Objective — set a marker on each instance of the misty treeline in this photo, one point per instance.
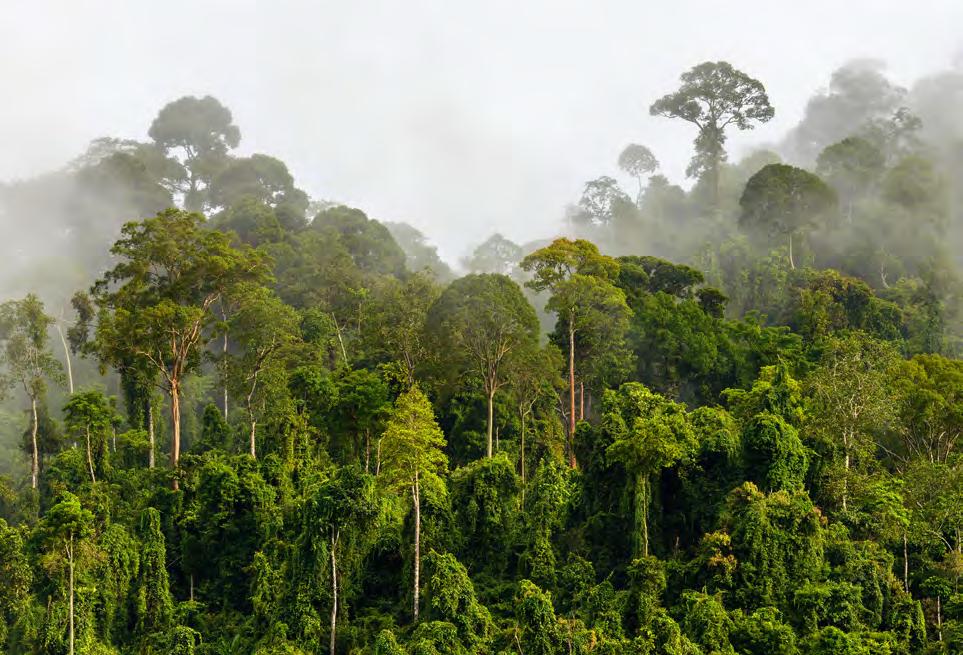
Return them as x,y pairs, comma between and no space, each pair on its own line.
721,419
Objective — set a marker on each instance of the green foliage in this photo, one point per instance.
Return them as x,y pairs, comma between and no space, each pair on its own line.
819,510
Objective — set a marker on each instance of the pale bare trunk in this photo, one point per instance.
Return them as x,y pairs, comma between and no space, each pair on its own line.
224,356
150,432
378,458
334,588
253,439
70,370
491,418
416,497
939,618
792,264
70,562
344,353
367,450
90,457
846,481
521,457
175,427
249,402
571,391
35,464
905,563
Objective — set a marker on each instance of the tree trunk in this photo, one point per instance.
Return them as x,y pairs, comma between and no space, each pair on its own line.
90,457
337,329
845,480
249,404
35,464
792,264
491,418
334,587
581,400
70,370
378,458
70,562
715,180
905,563
642,512
175,427
224,357
150,432
939,618
571,391
521,457
416,498
367,450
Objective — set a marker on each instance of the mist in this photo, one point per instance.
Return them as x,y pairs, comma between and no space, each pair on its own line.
461,121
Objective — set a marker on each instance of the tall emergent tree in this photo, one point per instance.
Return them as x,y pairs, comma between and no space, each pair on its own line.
584,297
157,303
713,96
412,456
202,130
487,320
28,361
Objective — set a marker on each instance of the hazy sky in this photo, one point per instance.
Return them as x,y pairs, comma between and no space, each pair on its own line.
459,118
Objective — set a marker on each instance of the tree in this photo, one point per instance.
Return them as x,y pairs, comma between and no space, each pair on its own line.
487,320
419,253
138,378
398,314
496,254
155,606
264,330
603,203
713,96
637,161
157,302
930,406
534,375
345,506
369,243
88,415
363,403
260,177
584,298
648,433
203,130
412,457
29,363
65,526
852,394
783,200
852,166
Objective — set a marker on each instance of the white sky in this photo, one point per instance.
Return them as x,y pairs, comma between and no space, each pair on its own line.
461,118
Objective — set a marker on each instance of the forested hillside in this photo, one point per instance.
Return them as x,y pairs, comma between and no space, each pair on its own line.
722,419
